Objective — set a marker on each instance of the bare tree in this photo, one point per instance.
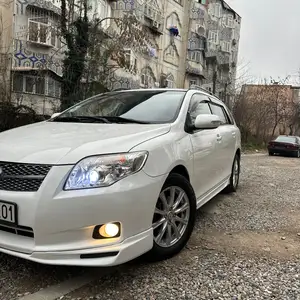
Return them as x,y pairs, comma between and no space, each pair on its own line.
265,110
93,52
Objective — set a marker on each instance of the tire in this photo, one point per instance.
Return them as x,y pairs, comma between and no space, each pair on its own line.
271,153
234,181
297,154
161,248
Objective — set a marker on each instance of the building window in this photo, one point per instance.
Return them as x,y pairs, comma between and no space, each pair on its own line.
193,82
40,85
213,37
42,32
130,60
173,20
55,37
195,56
228,21
170,81
31,84
147,79
54,88
225,46
38,30
216,10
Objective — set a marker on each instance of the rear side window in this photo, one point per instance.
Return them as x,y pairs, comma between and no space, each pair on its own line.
220,112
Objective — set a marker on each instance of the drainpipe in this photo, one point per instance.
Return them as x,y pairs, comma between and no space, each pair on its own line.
184,35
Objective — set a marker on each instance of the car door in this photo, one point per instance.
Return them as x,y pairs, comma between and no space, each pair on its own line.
227,141
204,147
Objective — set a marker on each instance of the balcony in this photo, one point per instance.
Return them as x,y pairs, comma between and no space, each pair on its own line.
46,5
153,19
197,43
194,71
224,60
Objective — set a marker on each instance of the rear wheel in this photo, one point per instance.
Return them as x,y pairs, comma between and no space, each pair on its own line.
235,176
174,218
297,154
271,153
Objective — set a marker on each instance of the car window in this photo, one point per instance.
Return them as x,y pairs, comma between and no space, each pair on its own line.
287,139
151,106
219,111
198,106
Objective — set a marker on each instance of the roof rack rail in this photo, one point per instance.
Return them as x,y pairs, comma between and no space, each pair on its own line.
199,88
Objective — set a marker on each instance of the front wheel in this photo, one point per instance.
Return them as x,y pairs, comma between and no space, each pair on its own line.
297,154
174,218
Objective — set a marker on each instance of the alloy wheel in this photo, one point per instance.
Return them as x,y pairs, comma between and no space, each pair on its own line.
236,173
171,216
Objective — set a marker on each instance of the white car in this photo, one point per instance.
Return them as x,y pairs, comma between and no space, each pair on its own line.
116,176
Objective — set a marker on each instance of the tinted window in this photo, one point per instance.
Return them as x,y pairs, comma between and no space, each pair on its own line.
146,106
219,111
198,106
286,139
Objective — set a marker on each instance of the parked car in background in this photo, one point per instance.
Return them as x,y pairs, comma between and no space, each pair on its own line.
115,176
285,145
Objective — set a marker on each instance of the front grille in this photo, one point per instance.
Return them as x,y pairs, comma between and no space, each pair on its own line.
17,177
18,230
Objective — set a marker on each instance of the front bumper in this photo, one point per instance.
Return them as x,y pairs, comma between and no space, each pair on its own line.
93,257
62,222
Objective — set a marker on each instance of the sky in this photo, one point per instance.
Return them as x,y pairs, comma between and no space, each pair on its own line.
270,37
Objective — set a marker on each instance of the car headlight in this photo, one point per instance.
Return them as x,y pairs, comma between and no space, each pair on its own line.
104,170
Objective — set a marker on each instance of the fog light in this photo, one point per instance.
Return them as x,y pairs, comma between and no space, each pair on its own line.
106,231
109,230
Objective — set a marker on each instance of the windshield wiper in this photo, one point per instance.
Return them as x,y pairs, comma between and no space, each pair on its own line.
81,119
116,119
99,119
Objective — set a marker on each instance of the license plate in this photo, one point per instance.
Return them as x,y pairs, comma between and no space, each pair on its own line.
8,212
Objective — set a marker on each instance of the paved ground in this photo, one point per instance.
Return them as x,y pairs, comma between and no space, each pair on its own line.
245,246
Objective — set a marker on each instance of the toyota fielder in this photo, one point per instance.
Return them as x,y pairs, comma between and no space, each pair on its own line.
116,176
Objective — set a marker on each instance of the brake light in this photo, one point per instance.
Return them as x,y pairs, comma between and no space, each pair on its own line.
294,147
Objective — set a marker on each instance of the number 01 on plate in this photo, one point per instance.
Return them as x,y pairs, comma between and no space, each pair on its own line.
8,212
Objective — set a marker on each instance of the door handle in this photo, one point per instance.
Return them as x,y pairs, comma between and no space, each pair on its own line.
219,138
233,134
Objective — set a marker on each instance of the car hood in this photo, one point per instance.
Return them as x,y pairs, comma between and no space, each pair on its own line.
67,143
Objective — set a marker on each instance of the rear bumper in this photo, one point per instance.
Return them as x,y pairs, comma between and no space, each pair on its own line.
282,151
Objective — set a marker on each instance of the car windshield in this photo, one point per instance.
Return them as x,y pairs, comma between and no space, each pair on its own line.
151,107
286,139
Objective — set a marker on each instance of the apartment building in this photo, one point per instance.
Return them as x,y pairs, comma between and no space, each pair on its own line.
192,42
219,31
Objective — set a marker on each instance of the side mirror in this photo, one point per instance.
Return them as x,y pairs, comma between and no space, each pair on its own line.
207,121
55,115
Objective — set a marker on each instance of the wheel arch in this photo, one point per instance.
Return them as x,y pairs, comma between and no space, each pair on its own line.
238,152
181,170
